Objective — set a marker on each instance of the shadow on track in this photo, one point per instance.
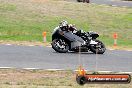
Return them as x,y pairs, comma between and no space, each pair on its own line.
90,53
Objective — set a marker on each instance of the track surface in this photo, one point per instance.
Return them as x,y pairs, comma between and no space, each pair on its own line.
46,58
111,2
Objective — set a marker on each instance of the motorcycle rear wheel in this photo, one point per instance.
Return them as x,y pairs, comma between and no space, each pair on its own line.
60,45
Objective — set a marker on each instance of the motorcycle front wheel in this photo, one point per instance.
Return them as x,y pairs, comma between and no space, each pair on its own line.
60,45
99,48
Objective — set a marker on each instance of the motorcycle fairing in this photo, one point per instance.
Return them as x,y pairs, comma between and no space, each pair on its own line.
75,40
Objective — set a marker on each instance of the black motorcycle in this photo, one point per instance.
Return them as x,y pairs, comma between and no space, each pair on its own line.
67,38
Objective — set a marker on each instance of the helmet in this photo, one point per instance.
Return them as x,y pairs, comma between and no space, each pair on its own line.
63,23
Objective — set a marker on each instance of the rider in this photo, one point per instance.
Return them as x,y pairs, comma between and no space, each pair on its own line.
69,27
64,25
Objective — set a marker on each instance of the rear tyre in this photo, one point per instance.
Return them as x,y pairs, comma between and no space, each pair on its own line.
60,45
99,48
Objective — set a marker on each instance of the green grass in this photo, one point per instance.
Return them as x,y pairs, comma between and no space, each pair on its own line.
25,20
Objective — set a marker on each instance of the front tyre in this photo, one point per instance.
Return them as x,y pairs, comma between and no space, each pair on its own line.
99,48
60,45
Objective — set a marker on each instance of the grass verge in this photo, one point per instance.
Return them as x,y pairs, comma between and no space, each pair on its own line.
25,20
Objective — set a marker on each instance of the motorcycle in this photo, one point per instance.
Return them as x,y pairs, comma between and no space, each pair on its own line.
67,38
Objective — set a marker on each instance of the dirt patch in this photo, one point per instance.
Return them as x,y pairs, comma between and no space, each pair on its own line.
32,77
40,0
20,78
25,43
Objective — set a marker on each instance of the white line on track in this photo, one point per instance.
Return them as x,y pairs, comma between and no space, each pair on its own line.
61,70
126,72
48,46
31,68
54,69
8,44
31,45
106,71
6,67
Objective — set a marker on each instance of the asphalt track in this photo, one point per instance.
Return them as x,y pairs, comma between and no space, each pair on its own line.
111,2
46,58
